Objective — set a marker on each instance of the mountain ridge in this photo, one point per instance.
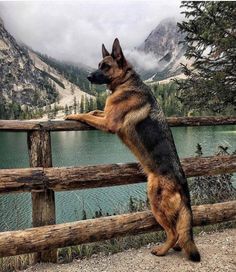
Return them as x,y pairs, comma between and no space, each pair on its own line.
164,42
36,80
27,81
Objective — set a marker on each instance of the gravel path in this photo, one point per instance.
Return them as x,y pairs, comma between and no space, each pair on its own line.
218,252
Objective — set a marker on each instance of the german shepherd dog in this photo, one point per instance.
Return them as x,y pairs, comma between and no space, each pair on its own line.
133,113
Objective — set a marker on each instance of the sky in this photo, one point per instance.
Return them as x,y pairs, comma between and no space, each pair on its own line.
75,30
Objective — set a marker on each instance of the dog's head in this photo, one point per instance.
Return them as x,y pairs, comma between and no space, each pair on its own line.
112,67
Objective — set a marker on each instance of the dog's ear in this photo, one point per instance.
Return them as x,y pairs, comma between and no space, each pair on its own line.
105,53
117,53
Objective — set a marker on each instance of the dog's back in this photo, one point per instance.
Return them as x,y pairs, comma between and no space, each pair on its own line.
152,132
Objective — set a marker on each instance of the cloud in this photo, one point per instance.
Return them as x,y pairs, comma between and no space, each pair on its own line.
141,60
75,30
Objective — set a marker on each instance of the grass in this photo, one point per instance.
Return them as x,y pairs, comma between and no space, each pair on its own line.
123,243
15,263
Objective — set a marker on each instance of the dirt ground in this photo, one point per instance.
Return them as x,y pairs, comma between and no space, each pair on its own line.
218,251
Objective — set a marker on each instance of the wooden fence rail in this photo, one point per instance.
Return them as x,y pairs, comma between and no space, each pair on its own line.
42,180
61,125
87,177
92,230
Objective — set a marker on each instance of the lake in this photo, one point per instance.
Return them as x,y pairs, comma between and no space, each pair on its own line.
87,148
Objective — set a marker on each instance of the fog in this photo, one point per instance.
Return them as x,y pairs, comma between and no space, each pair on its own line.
74,31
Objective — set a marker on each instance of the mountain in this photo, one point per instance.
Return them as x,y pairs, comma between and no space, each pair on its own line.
163,43
27,81
74,72
164,40
31,80
58,74
21,82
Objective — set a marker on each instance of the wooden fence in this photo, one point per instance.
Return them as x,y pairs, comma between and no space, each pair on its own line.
42,180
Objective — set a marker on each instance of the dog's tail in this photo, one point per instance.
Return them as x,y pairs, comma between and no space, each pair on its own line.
184,230
191,251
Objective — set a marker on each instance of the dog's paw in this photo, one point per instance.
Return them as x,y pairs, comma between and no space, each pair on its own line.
68,117
74,117
158,251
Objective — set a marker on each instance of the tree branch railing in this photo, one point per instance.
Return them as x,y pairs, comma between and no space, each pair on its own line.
42,180
61,125
92,230
86,177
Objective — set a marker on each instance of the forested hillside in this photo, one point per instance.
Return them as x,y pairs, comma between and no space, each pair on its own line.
73,72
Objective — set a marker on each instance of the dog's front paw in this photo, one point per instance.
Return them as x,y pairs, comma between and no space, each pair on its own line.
68,117
96,113
77,117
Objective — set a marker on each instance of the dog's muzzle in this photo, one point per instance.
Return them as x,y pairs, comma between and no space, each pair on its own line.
98,77
90,77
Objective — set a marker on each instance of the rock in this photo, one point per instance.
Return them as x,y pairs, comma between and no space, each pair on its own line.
21,81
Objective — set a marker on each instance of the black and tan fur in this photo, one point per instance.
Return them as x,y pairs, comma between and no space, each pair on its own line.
132,112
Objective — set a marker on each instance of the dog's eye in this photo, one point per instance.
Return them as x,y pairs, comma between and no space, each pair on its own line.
105,66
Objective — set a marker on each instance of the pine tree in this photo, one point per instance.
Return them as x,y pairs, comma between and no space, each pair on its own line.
70,109
82,104
86,104
55,110
66,110
210,41
101,100
49,111
75,105
72,89
94,104
91,104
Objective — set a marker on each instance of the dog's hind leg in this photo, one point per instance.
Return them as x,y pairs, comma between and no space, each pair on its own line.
184,230
171,236
164,205
177,247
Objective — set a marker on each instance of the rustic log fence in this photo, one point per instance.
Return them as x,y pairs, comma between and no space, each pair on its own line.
42,180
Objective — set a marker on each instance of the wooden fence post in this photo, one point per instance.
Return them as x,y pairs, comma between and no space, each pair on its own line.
43,203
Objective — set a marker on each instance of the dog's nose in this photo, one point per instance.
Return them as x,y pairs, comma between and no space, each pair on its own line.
89,77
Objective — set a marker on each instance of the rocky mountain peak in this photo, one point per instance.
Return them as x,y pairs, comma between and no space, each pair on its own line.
20,81
164,39
163,43
26,81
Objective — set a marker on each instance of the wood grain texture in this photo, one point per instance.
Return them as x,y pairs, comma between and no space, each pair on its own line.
43,203
68,234
85,177
62,125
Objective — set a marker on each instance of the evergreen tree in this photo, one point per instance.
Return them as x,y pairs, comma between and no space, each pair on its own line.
86,104
66,110
49,111
82,104
75,105
72,89
166,95
94,104
210,41
91,104
70,109
101,99
55,110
